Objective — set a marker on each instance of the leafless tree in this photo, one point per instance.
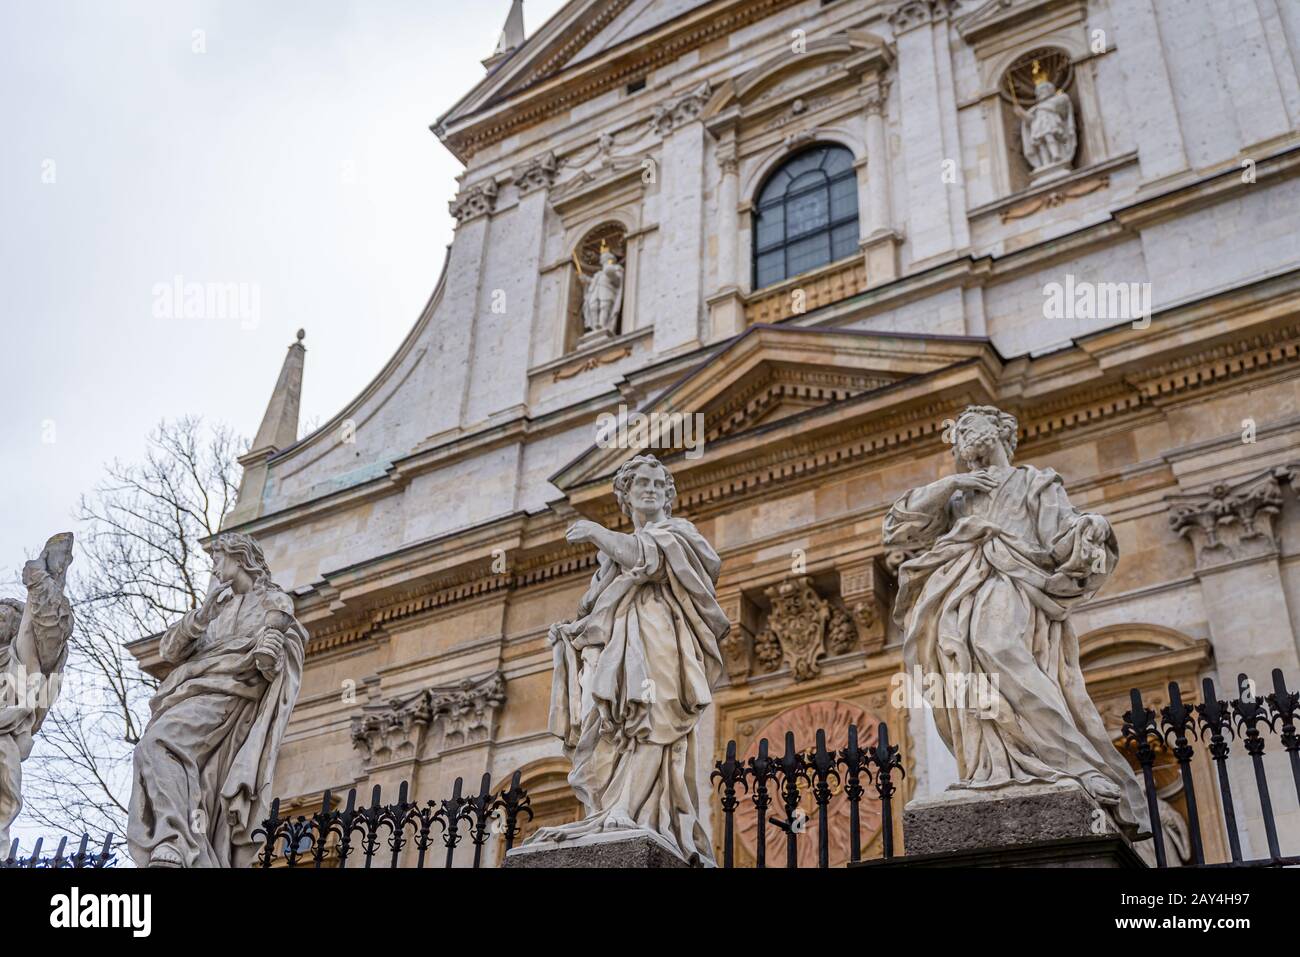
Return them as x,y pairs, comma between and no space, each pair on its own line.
140,567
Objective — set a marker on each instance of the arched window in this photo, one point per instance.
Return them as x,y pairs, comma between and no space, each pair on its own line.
806,215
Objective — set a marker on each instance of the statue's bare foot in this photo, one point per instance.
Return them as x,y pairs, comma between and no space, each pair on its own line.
165,856
618,820
1101,788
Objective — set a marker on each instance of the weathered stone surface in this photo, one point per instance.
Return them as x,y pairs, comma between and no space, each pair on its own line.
965,820
638,852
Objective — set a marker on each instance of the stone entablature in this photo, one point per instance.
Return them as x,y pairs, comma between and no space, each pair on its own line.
428,722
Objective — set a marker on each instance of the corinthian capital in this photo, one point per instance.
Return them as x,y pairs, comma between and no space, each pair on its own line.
1232,520
477,200
538,173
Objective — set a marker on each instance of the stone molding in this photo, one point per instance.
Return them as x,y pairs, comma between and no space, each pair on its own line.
1233,521
435,718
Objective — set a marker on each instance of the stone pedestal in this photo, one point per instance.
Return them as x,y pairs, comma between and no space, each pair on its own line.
637,851
1043,825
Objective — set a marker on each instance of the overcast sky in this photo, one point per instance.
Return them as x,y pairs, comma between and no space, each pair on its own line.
284,147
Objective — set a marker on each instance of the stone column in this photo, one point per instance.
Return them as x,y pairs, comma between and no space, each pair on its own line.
726,307
879,240
1232,527
1151,105
936,199
681,225
454,325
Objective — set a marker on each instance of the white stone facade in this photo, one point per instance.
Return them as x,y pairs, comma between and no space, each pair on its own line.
1187,178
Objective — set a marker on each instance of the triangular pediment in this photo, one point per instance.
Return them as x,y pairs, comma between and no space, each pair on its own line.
586,48
773,383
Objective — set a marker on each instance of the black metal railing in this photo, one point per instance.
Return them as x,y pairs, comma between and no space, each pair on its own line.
822,772
83,857
333,836
1247,718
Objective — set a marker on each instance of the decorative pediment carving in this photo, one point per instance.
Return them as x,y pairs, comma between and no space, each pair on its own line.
772,374
1232,521
802,628
432,719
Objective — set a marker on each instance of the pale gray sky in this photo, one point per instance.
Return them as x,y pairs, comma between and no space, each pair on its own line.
291,155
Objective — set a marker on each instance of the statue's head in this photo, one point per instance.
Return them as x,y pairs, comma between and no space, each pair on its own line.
234,553
11,616
644,487
1044,89
607,258
980,430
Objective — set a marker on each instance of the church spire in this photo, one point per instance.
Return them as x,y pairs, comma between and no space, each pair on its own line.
512,36
279,430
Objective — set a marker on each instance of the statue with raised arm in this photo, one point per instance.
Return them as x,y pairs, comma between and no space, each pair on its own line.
33,650
203,767
602,296
1048,137
1003,558
636,669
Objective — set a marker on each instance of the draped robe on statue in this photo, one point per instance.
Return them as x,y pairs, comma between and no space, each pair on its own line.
204,764
27,689
632,677
988,596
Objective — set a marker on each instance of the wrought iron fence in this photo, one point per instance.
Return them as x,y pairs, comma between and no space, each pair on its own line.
763,778
332,836
83,857
854,772
1242,718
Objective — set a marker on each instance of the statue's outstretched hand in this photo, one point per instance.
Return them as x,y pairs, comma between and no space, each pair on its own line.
583,531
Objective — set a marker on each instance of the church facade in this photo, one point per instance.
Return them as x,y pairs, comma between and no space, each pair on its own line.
801,236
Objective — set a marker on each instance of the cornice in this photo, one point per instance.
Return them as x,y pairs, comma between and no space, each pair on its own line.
542,96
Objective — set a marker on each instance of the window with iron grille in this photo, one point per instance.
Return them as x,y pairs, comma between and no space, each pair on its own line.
806,215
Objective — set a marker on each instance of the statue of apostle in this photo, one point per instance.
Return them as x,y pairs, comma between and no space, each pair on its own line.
1004,556
203,767
636,670
1048,136
33,650
602,297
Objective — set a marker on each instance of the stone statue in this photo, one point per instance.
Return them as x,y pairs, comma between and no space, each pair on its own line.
1047,133
203,767
1004,556
635,671
33,650
602,297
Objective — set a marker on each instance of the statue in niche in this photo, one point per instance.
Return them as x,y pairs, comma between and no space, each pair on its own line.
203,767
602,295
1048,137
1003,557
635,671
33,651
